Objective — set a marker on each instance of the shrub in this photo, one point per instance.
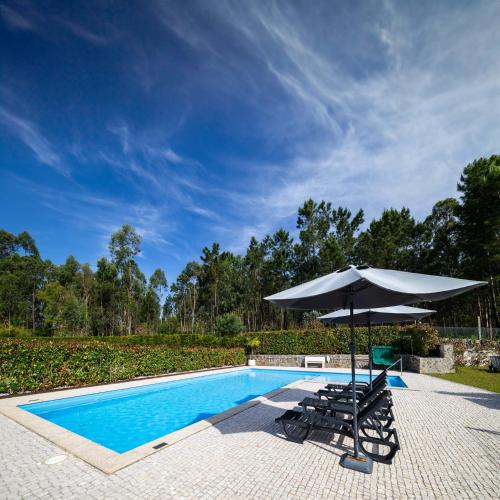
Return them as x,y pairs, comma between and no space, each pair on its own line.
36,365
252,343
169,326
14,331
310,320
228,324
422,338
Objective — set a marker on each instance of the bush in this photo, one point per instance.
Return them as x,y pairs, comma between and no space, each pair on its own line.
169,325
229,324
14,331
422,338
37,365
310,320
252,343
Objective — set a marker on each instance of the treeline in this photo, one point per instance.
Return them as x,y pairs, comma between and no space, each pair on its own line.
460,237
72,299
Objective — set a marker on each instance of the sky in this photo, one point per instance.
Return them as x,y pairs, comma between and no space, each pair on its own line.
215,120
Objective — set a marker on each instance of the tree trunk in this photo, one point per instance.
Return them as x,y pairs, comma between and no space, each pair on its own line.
33,310
494,303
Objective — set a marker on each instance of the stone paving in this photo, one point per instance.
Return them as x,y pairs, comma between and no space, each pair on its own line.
449,433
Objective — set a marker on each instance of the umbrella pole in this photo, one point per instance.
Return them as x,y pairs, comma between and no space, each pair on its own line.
353,382
357,462
370,348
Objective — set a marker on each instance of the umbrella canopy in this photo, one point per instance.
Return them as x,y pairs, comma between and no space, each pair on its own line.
367,287
370,287
395,314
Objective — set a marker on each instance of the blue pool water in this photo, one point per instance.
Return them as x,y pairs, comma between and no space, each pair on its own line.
126,418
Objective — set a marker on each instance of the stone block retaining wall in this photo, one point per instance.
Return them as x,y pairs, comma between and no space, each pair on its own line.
470,352
445,363
297,360
442,364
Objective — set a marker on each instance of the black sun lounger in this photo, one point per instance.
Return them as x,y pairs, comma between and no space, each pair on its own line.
376,442
360,386
326,398
346,395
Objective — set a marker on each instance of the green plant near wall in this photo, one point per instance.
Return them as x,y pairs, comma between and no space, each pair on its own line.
419,340
251,345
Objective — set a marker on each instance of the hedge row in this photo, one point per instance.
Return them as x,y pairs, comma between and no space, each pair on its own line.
37,365
325,340
337,340
42,364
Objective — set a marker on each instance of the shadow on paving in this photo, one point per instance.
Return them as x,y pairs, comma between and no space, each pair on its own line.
488,400
488,431
258,423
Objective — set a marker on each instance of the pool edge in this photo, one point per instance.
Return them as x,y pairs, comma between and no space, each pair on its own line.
100,457
109,461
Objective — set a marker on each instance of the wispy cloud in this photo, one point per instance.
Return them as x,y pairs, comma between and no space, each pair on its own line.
14,18
105,214
27,132
87,34
172,156
397,134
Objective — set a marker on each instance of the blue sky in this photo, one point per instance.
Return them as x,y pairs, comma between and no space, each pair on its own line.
213,121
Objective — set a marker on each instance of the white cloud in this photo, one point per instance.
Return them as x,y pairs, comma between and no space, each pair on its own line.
27,132
172,156
400,134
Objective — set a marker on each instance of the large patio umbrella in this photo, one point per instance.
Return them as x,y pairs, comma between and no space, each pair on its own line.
380,315
367,287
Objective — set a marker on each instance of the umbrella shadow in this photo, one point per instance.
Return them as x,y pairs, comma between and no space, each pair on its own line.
488,400
262,419
488,431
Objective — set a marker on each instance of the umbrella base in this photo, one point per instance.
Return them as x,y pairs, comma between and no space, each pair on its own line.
360,464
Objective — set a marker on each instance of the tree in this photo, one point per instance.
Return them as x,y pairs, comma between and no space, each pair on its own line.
390,242
106,299
21,275
440,252
150,302
228,324
313,222
210,278
63,313
123,247
479,224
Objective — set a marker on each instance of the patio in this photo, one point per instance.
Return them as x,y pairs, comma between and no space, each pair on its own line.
449,433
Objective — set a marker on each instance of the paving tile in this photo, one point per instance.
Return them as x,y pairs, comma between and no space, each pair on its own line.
450,438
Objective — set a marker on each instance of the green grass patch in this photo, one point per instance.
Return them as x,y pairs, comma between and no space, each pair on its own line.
474,376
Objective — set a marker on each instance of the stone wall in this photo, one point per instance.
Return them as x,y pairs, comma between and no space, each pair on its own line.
297,360
470,352
445,363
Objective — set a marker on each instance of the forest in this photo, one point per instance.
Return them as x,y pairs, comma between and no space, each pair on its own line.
460,238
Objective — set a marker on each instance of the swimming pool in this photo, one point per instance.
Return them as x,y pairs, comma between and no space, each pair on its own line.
123,419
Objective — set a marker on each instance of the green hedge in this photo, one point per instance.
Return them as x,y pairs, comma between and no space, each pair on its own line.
29,364
336,340
37,365
324,340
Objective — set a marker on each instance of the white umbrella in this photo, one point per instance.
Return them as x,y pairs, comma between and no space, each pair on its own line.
395,314
368,287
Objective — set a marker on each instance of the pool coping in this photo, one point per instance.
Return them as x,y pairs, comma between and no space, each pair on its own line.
109,461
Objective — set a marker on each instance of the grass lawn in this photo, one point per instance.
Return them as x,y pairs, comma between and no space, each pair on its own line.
477,377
